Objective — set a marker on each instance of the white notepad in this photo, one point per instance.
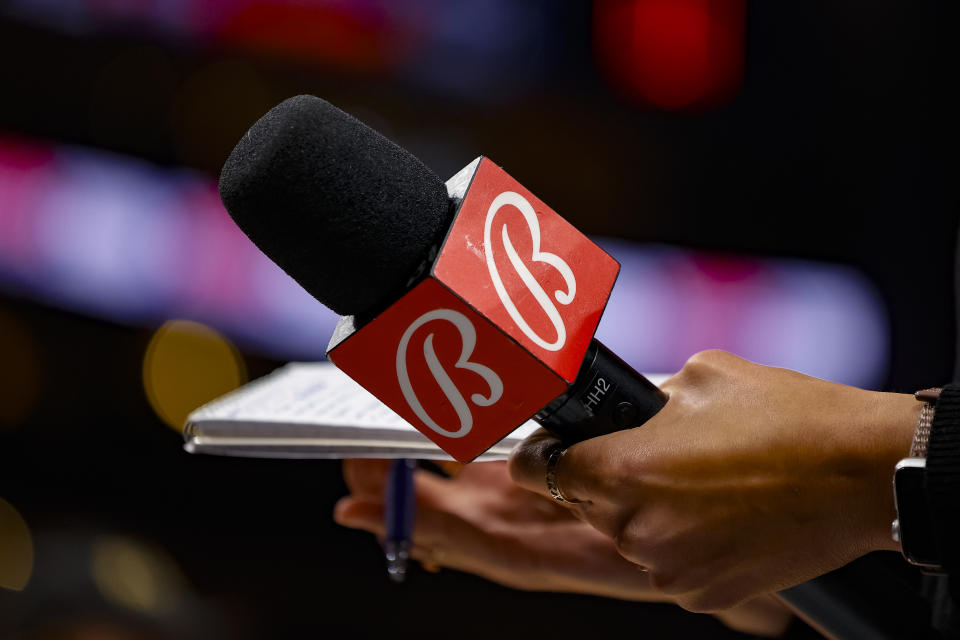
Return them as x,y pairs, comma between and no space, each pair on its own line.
313,410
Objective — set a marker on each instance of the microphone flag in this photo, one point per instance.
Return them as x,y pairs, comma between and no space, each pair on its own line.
493,328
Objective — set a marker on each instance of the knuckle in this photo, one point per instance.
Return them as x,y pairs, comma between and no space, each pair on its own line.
585,473
665,581
709,601
694,604
703,365
708,359
634,541
624,544
675,577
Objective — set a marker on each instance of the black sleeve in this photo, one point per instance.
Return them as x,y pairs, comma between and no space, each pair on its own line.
943,477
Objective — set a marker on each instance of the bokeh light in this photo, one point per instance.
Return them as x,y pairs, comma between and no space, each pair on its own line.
348,34
115,237
16,548
673,54
133,575
187,364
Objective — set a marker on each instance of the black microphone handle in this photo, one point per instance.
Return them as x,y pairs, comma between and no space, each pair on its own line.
608,395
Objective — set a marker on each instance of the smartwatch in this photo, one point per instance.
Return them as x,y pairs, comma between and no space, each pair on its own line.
913,528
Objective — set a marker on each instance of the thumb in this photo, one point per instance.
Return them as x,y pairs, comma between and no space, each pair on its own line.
359,513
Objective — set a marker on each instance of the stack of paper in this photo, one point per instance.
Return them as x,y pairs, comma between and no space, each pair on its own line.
313,410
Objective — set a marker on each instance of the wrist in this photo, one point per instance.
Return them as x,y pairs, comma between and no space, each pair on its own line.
896,417
875,431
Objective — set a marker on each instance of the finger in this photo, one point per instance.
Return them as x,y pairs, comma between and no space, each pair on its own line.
432,528
483,492
360,513
578,473
435,558
366,477
368,516
451,468
595,473
486,472
443,494
365,510
528,461
429,559
434,555
765,616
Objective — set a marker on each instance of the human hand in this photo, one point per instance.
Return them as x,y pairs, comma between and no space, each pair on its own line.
480,522
751,479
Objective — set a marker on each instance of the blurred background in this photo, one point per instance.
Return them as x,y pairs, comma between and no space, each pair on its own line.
773,177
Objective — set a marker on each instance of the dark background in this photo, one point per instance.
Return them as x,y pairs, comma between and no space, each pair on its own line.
838,146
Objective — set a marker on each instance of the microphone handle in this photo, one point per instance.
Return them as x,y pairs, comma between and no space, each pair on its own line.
608,395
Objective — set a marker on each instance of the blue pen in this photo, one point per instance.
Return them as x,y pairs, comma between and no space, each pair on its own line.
400,509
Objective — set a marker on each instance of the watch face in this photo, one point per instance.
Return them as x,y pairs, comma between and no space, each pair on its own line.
917,538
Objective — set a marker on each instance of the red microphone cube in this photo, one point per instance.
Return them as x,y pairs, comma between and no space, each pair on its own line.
496,330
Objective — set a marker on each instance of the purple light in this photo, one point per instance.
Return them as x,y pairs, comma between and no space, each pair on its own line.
121,239
821,319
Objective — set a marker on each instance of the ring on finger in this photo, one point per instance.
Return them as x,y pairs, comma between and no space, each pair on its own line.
553,484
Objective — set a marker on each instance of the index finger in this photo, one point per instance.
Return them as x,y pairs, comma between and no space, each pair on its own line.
366,477
575,472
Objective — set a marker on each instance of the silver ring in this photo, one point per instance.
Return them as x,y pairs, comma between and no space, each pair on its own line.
553,486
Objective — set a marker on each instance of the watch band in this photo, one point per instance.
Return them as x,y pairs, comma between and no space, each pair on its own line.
921,436
913,528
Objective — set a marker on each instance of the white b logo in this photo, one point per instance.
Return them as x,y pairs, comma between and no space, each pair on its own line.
563,297
468,337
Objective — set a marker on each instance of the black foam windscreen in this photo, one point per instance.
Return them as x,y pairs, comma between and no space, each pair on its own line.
346,212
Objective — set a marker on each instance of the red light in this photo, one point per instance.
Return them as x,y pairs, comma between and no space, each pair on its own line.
329,33
674,54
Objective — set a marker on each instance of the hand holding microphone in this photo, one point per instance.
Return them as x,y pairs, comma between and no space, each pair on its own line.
750,480
470,307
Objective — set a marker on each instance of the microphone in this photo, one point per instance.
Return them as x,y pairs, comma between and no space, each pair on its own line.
467,307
